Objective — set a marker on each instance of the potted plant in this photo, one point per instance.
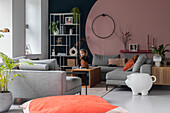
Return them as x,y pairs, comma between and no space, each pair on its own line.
54,28
159,54
6,78
1,35
76,14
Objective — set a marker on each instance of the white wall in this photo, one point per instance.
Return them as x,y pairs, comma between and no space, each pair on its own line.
6,22
18,28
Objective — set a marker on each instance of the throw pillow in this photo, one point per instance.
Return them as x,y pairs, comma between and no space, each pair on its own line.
118,62
40,67
130,63
140,61
71,103
53,65
102,60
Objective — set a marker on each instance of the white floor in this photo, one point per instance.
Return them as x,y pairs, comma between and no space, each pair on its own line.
158,101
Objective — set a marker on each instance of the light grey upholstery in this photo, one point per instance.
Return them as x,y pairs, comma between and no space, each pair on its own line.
104,70
40,67
102,60
38,84
146,68
53,65
117,75
140,61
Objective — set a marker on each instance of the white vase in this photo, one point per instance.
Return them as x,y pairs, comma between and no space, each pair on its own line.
5,101
157,59
56,32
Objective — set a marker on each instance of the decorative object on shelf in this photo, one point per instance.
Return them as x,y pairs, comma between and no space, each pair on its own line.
161,50
1,35
71,62
28,49
71,31
68,20
6,78
73,51
53,52
54,28
61,54
59,41
150,45
103,15
5,30
140,83
124,37
133,47
76,14
157,59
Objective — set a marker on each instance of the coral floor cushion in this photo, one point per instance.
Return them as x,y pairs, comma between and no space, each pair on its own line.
70,104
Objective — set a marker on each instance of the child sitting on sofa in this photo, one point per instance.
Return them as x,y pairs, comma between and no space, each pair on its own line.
84,58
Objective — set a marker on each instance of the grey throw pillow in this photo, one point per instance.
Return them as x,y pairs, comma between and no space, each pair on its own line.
16,59
40,67
53,65
140,61
103,60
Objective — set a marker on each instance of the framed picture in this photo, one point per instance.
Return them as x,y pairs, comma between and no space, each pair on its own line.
68,20
133,47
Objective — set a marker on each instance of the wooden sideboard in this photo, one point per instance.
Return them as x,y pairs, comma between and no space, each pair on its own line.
162,74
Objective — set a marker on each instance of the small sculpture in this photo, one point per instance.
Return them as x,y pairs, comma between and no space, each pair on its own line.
5,30
140,83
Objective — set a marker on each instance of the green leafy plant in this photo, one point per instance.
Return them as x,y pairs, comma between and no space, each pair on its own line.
6,77
54,27
76,14
161,50
1,35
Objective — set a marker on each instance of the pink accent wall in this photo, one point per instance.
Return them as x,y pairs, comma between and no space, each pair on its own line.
143,16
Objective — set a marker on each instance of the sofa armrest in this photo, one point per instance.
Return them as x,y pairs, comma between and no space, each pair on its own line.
38,84
146,68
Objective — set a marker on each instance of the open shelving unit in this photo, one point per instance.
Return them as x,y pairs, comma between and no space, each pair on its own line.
68,40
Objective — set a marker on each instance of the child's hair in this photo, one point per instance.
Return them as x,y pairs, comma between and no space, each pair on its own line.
85,51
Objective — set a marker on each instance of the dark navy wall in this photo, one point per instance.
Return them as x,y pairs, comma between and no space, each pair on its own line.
63,6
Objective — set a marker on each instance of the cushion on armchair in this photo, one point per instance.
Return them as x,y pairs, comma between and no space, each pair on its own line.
52,63
140,61
103,60
40,67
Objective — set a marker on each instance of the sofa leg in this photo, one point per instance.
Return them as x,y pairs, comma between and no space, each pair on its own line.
80,92
106,87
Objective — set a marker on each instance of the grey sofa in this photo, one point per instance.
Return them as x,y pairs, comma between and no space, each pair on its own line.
42,82
116,75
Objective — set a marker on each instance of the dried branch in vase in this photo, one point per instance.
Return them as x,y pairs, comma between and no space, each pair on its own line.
124,37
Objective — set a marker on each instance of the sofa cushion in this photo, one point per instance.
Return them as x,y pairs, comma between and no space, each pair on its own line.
53,65
140,61
118,62
40,67
72,82
102,60
106,69
117,74
16,59
148,61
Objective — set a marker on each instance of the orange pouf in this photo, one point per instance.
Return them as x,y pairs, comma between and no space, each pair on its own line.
70,104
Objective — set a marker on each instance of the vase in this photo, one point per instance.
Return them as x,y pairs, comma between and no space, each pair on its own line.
5,101
157,59
125,47
56,32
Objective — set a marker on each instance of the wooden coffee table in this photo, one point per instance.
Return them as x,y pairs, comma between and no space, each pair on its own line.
94,75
